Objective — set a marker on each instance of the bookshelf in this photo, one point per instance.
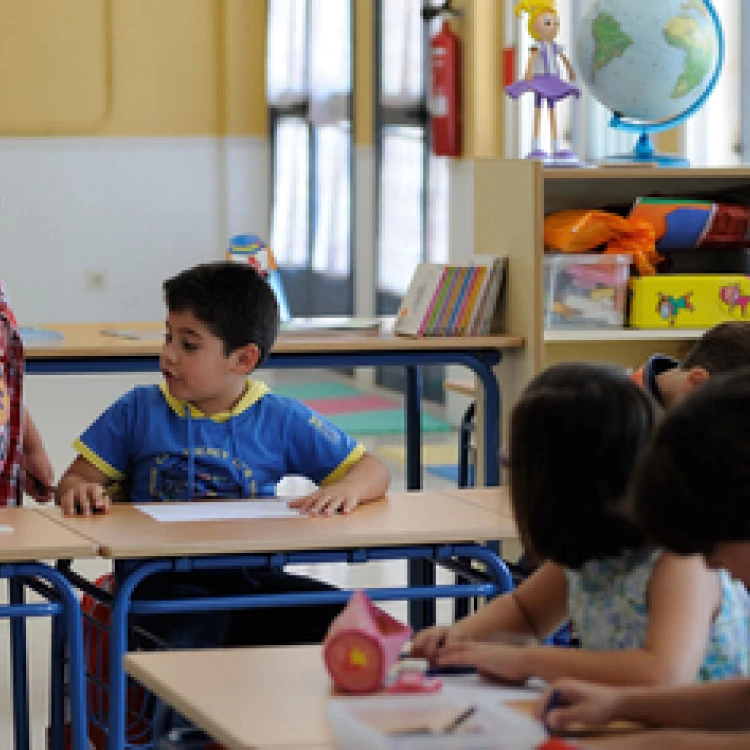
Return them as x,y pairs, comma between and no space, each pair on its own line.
511,199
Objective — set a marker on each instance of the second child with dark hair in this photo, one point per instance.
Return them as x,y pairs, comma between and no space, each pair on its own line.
644,616
208,431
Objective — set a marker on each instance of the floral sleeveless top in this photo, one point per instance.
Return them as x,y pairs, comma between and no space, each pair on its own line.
607,602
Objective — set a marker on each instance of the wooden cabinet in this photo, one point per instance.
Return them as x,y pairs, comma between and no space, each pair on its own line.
511,199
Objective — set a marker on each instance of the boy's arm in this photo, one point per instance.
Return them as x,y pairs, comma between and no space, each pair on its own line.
81,489
715,705
39,474
366,480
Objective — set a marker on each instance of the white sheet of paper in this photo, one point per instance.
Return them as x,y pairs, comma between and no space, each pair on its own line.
218,511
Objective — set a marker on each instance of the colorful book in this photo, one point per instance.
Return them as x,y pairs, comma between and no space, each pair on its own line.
417,298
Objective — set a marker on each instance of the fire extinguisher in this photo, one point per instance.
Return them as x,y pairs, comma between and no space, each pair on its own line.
445,99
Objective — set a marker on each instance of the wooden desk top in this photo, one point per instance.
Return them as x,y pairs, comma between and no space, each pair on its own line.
35,537
86,340
244,698
405,518
493,499
260,698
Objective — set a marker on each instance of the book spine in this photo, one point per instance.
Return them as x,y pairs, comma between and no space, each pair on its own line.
479,320
493,290
463,298
450,302
470,311
433,301
476,319
439,306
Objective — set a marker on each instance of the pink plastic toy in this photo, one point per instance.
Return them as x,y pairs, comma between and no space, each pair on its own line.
362,644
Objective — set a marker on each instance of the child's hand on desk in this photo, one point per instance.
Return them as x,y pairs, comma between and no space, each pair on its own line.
578,704
326,501
428,642
84,500
496,661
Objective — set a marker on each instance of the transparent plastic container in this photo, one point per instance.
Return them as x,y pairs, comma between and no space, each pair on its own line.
373,723
585,291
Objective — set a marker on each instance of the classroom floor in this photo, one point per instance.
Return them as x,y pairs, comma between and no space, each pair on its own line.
62,407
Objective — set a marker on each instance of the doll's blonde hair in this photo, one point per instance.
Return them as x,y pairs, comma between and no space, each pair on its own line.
534,9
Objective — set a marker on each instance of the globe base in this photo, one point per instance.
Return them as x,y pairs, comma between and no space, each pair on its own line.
645,153
656,159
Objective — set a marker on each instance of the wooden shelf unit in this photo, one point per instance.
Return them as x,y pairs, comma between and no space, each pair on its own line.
511,199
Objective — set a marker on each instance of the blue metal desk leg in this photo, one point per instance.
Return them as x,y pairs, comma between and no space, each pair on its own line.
420,573
18,668
58,660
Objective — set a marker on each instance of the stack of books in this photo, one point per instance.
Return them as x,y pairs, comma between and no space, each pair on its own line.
452,299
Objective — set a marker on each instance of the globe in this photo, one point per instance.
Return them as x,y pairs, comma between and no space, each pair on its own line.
652,62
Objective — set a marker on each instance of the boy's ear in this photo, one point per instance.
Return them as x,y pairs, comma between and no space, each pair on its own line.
697,376
246,358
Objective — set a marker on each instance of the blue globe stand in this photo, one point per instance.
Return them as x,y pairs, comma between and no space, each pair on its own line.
644,152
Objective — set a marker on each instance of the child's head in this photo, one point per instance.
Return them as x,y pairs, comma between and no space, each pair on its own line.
692,488
232,300
544,22
222,322
574,439
722,349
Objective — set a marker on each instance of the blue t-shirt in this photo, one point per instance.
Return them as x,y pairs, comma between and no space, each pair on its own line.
165,449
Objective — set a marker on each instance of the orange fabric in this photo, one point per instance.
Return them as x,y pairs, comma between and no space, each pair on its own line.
583,231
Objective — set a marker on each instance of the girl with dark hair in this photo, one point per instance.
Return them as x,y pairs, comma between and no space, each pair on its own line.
644,616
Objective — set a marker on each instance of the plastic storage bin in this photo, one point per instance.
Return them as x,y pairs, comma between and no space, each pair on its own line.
699,301
585,291
369,723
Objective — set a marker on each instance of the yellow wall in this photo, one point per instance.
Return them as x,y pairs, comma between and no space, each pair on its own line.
132,67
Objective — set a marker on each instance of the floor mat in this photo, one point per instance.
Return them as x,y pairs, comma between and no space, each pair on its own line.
356,412
440,459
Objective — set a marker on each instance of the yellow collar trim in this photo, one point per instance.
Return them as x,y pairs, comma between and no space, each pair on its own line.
254,392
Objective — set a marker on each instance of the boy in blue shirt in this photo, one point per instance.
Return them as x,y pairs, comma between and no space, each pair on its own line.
208,431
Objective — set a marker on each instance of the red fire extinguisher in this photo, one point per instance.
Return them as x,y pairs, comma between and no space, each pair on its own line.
445,101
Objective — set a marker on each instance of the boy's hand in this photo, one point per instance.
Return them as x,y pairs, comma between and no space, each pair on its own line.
580,704
428,643
336,498
85,499
495,661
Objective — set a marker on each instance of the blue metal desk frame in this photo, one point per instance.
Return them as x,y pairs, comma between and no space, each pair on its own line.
63,607
496,580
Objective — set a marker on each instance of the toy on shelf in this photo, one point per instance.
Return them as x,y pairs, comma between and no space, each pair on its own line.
249,248
543,79
362,645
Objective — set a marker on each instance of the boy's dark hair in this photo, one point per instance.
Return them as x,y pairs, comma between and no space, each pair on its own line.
232,299
724,348
691,491
575,437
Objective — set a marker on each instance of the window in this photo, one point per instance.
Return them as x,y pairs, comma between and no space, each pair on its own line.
413,184
309,82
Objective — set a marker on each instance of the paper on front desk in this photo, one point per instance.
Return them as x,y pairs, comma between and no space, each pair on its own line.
218,511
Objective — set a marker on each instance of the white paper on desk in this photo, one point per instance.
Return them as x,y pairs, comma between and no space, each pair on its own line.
218,511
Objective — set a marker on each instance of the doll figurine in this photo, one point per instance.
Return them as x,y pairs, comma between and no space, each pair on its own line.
543,77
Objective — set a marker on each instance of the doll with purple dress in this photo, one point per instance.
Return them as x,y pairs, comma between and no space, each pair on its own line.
543,76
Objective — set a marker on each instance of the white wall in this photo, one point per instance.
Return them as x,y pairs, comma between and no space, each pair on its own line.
133,209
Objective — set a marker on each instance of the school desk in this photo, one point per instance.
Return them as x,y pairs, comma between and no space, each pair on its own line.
418,525
493,499
25,538
259,698
85,349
